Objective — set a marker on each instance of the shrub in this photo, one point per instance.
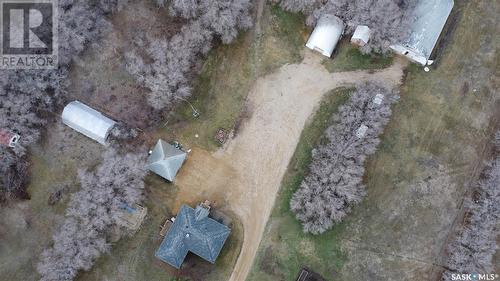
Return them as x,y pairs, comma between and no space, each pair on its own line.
334,183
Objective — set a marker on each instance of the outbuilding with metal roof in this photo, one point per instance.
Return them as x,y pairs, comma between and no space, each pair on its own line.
87,121
166,160
326,35
430,20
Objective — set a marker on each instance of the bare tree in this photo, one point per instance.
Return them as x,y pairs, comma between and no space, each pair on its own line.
122,132
92,212
173,60
14,171
168,76
302,6
497,140
475,242
334,183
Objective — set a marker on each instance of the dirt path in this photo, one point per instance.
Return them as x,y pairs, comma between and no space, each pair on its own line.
247,173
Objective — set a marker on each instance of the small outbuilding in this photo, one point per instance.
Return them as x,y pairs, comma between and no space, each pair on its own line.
326,35
8,138
87,121
166,160
361,35
132,217
193,231
429,22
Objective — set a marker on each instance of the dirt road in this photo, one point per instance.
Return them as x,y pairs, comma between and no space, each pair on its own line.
246,174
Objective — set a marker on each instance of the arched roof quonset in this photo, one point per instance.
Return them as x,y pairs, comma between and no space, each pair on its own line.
87,121
326,35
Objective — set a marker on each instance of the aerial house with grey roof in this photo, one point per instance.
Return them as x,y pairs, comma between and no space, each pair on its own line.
166,160
193,231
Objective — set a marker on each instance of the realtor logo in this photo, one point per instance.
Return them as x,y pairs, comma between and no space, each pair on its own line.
28,34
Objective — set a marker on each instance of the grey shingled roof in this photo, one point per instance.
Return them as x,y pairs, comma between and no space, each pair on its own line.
166,160
193,231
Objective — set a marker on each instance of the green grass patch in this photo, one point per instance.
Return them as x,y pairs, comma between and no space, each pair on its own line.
348,58
285,248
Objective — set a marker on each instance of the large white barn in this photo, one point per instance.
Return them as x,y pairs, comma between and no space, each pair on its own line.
326,35
87,121
430,19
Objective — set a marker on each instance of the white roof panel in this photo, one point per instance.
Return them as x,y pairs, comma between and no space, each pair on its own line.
430,19
361,35
87,121
326,35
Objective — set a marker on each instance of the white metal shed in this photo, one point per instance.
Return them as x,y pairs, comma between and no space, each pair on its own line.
87,121
430,17
326,35
361,35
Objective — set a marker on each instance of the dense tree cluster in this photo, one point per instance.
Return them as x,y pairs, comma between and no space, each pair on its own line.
389,20
92,212
334,183
165,65
27,97
475,243
302,6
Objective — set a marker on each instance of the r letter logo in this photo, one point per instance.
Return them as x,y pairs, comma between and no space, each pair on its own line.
28,34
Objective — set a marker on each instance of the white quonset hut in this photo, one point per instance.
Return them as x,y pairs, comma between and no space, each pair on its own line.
87,121
326,35
361,35
430,19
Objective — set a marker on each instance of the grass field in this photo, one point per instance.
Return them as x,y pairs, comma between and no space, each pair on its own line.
347,57
286,248
444,121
